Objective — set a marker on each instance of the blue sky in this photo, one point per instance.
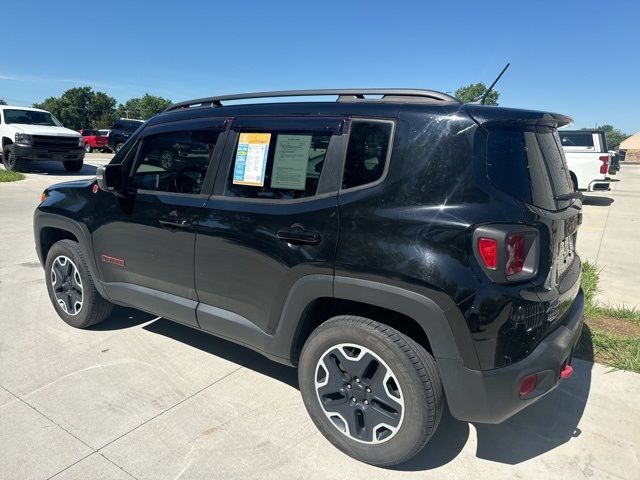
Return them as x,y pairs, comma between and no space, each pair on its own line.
575,57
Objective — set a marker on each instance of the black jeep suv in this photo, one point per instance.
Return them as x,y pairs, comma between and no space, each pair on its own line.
400,248
121,131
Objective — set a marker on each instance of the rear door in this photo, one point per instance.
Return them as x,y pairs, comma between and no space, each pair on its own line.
272,220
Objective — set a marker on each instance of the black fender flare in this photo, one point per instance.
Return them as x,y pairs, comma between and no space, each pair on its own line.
43,220
447,330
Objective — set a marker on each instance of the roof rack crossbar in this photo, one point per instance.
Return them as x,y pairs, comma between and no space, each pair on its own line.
353,92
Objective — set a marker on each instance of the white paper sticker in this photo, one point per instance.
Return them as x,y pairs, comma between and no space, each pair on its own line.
290,162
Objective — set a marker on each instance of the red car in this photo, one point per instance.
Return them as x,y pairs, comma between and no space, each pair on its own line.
91,140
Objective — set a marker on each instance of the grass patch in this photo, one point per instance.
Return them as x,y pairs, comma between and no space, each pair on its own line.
7,176
611,335
594,308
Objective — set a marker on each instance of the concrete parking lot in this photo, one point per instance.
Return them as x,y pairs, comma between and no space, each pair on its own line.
141,397
610,237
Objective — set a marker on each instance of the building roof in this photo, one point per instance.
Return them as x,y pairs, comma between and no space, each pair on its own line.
631,143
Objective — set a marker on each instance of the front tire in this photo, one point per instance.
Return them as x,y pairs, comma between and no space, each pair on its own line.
73,166
71,288
87,148
10,161
372,391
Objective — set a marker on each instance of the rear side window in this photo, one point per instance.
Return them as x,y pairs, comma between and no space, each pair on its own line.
277,165
576,139
529,165
367,152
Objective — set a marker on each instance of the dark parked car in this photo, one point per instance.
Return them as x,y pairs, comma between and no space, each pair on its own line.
402,252
121,131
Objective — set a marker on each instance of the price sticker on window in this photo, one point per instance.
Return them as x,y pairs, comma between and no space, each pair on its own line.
251,159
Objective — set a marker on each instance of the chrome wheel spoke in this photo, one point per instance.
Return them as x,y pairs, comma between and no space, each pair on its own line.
359,393
66,284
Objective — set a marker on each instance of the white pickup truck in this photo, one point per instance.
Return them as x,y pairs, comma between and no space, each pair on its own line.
587,158
33,134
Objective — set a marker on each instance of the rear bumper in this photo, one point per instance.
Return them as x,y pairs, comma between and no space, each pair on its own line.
492,396
27,152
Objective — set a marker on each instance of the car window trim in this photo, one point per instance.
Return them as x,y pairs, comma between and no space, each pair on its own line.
387,161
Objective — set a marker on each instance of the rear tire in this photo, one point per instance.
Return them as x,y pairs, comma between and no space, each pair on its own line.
380,422
78,303
10,161
73,166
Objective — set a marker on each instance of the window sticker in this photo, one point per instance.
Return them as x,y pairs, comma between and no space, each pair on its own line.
251,159
290,162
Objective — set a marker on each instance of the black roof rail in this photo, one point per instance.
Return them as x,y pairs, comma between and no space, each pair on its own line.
353,93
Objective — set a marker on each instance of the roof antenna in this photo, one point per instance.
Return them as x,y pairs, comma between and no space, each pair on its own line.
482,99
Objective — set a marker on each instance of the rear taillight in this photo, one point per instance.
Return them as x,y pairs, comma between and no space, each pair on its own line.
507,253
605,164
488,251
515,254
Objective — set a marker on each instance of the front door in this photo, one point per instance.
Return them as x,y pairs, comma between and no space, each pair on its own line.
273,219
144,243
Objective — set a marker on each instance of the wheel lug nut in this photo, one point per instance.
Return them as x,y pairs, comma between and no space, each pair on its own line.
366,402
357,380
368,390
348,385
353,399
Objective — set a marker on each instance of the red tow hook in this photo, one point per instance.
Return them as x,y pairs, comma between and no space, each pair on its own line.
566,372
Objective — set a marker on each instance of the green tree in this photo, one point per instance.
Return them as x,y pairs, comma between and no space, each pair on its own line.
143,107
81,107
474,91
2,101
613,136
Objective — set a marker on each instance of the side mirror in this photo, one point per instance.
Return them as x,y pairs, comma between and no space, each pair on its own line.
112,178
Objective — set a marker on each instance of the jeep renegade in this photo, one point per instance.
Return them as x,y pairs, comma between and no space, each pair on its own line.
400,248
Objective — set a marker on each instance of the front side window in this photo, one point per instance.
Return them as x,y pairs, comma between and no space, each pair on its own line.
31,117
367,152
277,164
175,162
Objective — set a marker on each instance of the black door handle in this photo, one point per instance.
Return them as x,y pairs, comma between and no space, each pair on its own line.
172,222
298,236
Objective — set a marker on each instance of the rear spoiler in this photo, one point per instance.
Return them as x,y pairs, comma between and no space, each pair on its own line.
485,115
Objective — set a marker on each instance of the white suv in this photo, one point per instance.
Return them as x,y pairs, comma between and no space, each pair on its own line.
587,158
33,134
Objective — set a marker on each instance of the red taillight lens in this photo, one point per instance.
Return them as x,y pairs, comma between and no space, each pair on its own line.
515,254
605,161
528,385
488,250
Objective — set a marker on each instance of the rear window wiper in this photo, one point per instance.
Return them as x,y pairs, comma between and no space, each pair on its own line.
569,196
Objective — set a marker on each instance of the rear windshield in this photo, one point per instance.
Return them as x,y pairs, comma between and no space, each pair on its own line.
576,139
529,165
127,125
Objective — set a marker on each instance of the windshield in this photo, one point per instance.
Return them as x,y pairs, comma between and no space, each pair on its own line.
31,117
